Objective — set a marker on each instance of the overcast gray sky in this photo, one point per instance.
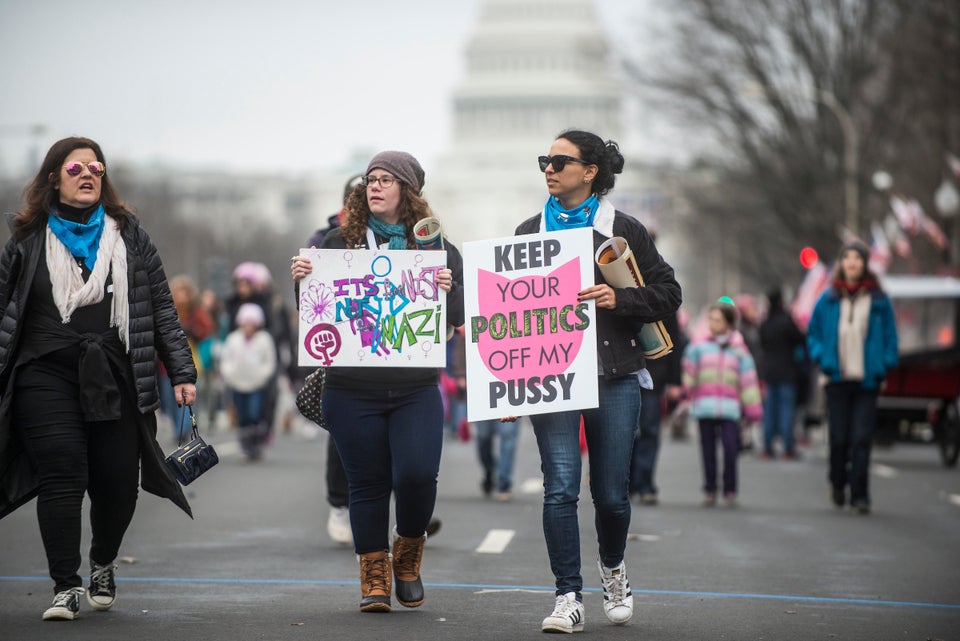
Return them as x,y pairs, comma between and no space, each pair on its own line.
278,85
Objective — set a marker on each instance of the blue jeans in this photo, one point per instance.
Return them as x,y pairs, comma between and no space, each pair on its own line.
251,423
852,415
646,444
497,470
389,441
338,492
778,411
170,408
458,414
609,431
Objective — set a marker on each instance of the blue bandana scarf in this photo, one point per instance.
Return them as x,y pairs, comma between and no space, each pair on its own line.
396,233
558,218
81,239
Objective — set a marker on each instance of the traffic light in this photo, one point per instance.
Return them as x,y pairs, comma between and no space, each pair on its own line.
808,257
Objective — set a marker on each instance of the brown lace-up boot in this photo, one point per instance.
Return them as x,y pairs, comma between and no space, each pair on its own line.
375,581
407,553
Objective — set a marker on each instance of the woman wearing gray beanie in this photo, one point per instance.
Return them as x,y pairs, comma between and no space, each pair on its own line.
387,422
852,336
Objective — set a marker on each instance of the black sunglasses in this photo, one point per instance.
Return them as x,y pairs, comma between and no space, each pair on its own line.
559,162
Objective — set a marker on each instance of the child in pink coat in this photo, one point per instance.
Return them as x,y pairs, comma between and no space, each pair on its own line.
720,379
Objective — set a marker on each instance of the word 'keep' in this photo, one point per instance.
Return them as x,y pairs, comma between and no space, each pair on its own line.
537,253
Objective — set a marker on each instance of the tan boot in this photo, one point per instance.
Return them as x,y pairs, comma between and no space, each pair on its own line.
375,581
407,553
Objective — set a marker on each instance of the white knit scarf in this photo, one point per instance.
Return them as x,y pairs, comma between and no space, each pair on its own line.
69,290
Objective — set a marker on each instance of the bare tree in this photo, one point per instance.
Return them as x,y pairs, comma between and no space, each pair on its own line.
772,82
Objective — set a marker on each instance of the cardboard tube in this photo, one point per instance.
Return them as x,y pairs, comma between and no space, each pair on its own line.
427,233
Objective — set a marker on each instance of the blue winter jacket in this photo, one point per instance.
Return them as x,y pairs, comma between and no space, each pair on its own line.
879,351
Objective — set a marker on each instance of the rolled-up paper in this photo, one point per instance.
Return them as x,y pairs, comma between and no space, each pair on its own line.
426,233
619,268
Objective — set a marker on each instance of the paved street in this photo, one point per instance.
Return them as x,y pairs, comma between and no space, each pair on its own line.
257,563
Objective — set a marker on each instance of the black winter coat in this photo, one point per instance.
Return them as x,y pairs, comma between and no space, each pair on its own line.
154,332
617,344
780,338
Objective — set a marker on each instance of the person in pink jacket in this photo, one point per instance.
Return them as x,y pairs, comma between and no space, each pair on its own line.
720,379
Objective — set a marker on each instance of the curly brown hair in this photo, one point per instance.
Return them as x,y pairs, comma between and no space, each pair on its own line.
412,207
41,195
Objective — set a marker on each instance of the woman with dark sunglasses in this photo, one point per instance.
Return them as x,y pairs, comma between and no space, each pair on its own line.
387,422
86,314
580,171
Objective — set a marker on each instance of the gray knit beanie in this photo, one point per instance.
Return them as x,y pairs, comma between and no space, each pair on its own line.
858,247
400,164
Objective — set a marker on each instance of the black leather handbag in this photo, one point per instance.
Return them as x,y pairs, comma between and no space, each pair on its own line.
192,459
309,398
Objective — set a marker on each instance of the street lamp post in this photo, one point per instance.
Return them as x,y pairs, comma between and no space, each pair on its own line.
851,143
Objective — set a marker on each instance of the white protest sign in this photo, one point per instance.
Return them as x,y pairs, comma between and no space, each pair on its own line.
530,345
372,308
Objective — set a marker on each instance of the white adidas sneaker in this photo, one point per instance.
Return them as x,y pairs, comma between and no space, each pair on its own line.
617,598
567,615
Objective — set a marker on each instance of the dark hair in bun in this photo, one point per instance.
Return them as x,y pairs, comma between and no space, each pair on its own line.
605,155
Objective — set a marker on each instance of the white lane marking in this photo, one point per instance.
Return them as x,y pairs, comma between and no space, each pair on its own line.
527,590
228,448
532,486
495,542
955,499
648,538
883,471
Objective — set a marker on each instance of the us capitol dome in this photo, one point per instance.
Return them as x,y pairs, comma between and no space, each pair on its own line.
533,68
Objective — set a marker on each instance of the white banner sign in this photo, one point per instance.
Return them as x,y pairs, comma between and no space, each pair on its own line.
369,308
531,346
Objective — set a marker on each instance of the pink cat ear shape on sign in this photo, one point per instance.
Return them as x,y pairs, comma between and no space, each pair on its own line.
532,322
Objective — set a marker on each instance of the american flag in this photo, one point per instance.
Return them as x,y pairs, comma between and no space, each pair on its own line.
814,283
901,244
909,214
934,233
954,163
880,254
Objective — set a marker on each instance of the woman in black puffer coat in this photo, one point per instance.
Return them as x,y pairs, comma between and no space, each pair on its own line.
86,312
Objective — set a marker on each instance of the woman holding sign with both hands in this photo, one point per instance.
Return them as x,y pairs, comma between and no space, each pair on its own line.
580,171
387,422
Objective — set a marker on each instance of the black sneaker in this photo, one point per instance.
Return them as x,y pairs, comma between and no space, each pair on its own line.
486,486
860,507
649,498
434,526
103,589
65,606
839,497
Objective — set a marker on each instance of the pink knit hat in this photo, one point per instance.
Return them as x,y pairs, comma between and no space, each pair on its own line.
250,313
247,271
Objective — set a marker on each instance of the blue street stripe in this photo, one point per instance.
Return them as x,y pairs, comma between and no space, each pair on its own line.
538,588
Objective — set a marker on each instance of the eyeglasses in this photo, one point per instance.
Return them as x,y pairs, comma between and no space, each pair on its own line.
76,167
385,181
559,162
